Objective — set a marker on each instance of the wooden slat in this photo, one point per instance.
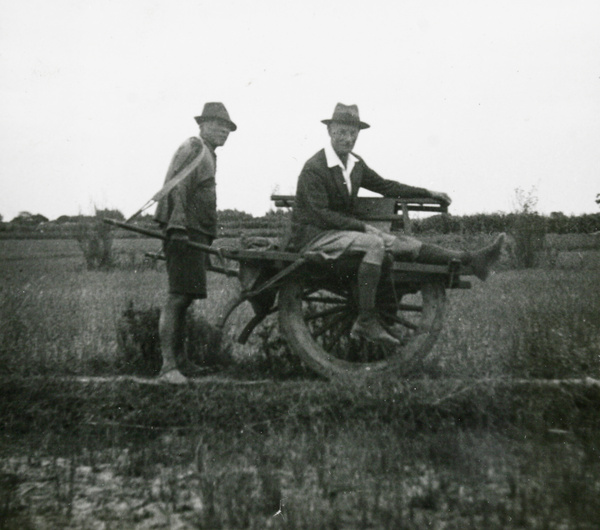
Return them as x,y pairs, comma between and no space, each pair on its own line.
439,209
419,204
398,266
374,209
267,255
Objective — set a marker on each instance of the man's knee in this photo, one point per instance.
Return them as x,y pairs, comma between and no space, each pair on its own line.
405,249
375,249
178,302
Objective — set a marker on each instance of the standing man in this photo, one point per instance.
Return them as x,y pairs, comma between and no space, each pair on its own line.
189,213
324,223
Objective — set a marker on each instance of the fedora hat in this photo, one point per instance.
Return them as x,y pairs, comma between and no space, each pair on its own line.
347,114
215,111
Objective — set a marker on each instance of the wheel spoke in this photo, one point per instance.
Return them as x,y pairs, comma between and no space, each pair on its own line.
399,334
343,327
325,299
328,325
341,340
325,312
360,350
401,320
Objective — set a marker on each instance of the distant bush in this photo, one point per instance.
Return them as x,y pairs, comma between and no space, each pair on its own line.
95,239
29,220
556,223
528,229
559,223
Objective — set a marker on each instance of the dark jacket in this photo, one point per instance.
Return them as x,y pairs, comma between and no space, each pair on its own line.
323,202
192,204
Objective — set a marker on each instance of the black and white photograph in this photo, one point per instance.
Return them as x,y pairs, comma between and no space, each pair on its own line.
299,264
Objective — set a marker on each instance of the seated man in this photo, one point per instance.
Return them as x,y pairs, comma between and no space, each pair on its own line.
324,225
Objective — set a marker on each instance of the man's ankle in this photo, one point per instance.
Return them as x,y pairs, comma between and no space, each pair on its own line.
168,365
368,327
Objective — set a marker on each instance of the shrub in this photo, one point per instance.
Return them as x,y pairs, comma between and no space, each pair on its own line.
139,343
529,232
95,239
137,337
528,229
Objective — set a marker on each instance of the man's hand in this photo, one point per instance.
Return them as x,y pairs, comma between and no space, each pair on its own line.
441,196
178,235
372,230
178,240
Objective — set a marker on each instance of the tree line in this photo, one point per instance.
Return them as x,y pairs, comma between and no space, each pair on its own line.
232,222
555,223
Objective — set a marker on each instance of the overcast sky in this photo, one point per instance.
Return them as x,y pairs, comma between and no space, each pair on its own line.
475,98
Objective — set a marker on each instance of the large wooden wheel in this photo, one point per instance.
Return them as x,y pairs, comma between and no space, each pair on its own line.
316,322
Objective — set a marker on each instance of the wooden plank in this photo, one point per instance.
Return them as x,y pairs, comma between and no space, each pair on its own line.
266,255
400,266
406,266
426,268
438,209
274,279
406,219
377,211
419,204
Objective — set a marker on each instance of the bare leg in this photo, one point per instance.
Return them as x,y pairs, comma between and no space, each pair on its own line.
172,335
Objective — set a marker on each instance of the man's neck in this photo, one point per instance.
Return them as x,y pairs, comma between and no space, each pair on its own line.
208,144
343,158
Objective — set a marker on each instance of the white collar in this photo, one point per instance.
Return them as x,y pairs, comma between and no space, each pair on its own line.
334,160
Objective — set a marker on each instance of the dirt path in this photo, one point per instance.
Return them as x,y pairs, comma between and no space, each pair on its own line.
210,379
588,382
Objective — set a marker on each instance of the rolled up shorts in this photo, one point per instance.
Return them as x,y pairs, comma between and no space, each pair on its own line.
186,266
335,243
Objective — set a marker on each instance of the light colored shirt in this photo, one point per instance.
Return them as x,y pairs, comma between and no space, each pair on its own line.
334,160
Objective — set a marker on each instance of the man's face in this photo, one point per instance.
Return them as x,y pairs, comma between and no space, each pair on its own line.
343,137
215,132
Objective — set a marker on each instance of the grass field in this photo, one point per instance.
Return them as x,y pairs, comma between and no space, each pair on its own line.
260,446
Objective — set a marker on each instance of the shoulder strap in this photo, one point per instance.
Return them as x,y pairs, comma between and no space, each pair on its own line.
181,175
